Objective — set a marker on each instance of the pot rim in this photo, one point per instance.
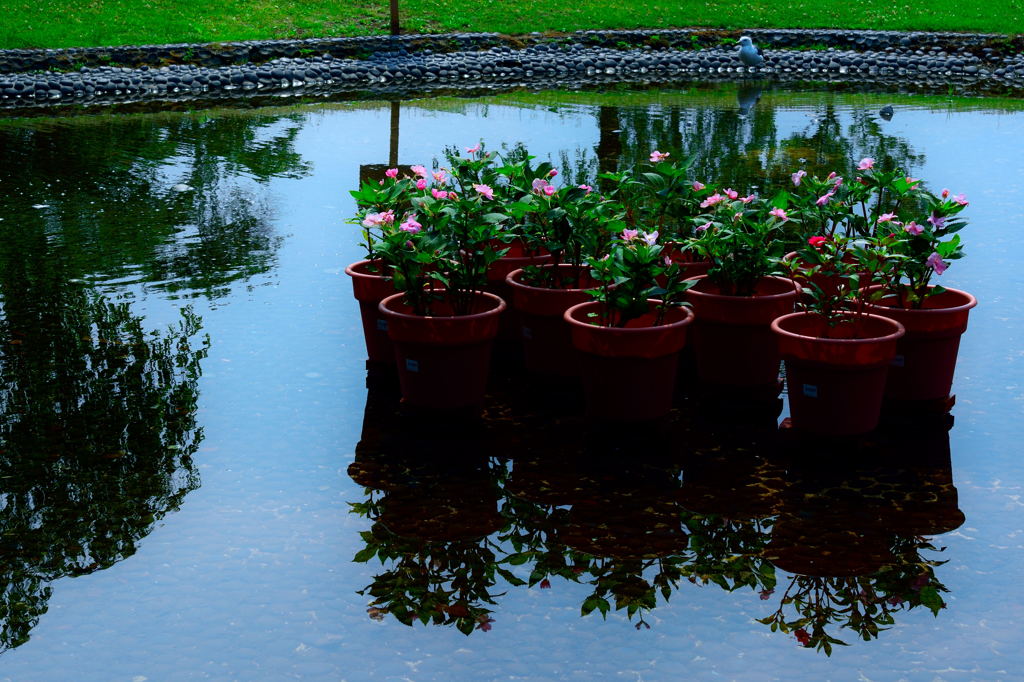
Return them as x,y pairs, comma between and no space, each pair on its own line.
567,315
352,271
893,336
500,307
971,302
795,291
511,280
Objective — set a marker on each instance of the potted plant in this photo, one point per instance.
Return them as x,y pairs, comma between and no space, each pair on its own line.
935,317
661,196
371,277
836,354
569,222
631,334
736,301
441,322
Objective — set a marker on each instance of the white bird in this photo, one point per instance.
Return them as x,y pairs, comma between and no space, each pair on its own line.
750,55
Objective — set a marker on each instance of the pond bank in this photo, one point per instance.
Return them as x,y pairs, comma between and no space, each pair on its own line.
376,65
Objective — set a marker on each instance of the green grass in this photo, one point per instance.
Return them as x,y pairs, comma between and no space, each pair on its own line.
59,23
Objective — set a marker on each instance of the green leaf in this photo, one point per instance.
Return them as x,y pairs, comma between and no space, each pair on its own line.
364,555
519,559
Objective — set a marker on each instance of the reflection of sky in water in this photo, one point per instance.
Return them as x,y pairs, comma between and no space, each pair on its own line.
251,579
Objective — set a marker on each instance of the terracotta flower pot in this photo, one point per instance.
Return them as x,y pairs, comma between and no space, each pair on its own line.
732,335
926,356
443,359
836,376
689,263
516,258
547,342
370,287
629,373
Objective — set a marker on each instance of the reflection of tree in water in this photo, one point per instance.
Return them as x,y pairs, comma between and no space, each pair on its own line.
167,200
740,145
705,501
97,433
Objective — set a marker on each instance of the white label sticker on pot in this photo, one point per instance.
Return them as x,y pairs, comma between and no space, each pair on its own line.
527,333
382,325
412,365
810,391
897,361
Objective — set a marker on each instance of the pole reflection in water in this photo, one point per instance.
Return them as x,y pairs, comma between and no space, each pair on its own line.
706,497
97,433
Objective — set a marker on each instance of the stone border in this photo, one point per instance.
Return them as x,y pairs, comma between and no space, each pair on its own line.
44,79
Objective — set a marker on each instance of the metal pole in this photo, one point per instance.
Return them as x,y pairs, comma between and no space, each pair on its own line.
395,30
396,109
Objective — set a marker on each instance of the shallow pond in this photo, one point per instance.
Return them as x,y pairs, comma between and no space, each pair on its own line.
173,508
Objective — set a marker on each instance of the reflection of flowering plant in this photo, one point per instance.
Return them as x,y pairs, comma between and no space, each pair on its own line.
864,604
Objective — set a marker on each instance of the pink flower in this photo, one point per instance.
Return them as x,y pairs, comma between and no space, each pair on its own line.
779,213
936,263
439,194
453,196
715,198
824,198
410,225
831,176
937,220
375,219
651,238
747,199
945,193
657,156
418,171
552,173
539,184
731,193
867,163
802,637
473,150
485,623
912,181
701,228
545,584
421,184
960,199
629,235
766,594
885,217
667,261
549,190
913,228
838,180
798,177
817,242
391,173
698,185
484,190
736,216
588,188
440,177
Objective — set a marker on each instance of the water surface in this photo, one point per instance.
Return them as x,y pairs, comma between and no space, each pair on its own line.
159,524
